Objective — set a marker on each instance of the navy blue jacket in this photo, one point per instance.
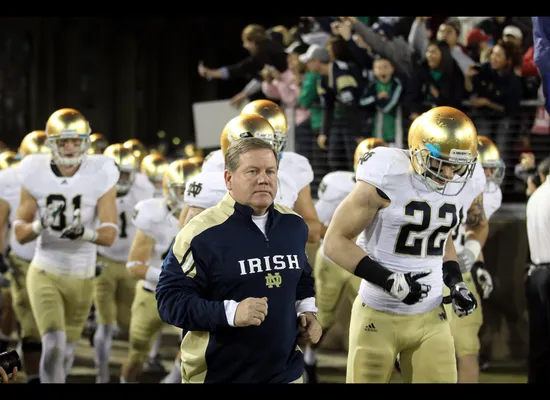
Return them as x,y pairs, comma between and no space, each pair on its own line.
221,255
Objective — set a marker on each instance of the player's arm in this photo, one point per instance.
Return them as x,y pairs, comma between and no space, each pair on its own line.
188,213
351,217
181,287
476,229
108,218
24,226
140,253
305,207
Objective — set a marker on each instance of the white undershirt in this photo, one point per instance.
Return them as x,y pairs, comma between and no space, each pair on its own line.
260,221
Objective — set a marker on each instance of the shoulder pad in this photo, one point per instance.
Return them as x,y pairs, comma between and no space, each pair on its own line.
299,168
205,190
376,164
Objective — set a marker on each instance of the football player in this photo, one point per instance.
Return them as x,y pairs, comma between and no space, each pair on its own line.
153,166
405,203
208,188
114,288
466,330
69,190
21,255
98,143
8,159
157,225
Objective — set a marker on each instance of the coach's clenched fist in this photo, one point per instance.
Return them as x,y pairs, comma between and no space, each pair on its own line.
251,311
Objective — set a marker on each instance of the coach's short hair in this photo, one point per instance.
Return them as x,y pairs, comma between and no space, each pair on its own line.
242,146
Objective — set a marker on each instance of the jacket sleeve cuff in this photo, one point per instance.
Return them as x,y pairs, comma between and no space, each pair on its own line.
306,305
230,311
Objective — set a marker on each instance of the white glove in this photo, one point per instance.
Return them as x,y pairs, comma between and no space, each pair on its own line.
485,281
468,256
48,218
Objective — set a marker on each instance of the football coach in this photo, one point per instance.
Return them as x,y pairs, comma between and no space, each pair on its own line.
238,280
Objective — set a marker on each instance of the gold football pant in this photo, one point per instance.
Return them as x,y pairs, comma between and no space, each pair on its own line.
465,330
423,341
114,291
59,303
145,324
20,298
332,282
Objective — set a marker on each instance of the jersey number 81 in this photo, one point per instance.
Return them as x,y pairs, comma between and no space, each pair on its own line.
60,221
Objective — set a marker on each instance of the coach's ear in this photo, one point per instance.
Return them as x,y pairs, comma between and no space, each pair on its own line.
228,177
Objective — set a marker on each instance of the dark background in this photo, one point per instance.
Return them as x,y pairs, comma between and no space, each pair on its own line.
131,77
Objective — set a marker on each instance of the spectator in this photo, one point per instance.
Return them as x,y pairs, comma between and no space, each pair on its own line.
344,126
437,81
478,45
496,94
383,99
494,26
263,51
448,31
394,48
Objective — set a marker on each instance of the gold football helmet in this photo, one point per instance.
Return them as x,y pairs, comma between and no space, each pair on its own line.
444,137
245,126
489,157
138,148
154,166
173,182
365,146
65,126
34,142
198,161
9,159
274,115
191,150
127,164
98,143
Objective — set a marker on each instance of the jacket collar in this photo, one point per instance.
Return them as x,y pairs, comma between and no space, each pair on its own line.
230,206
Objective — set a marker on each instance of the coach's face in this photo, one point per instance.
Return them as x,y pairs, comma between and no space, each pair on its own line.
254,183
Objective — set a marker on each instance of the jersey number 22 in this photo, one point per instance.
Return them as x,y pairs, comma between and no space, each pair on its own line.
435,243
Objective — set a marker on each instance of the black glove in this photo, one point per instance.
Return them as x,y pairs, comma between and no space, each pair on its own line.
405,287
464,302
4,267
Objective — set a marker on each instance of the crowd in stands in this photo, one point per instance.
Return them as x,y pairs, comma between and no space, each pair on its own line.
342,79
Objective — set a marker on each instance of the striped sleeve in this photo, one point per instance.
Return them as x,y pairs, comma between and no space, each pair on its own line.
182,284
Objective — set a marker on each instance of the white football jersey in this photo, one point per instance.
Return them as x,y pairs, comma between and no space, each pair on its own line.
492,199
333,189
214,162
208,188
205,189
410,234
141,189
96,175
297,167
10,190
473,188
153,218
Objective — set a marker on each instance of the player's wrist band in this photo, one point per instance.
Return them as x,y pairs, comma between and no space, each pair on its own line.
89,235
451,273
37,227
372,271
